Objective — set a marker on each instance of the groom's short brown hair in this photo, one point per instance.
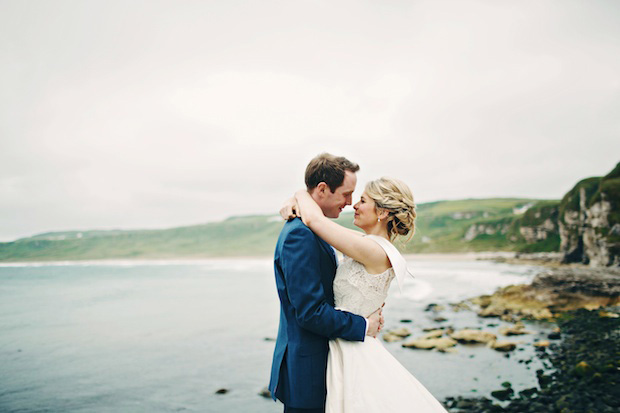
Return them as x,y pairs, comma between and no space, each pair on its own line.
329,169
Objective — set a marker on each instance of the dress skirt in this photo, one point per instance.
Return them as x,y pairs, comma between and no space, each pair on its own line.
364,377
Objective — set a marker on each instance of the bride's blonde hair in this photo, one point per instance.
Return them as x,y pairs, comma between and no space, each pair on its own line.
395,197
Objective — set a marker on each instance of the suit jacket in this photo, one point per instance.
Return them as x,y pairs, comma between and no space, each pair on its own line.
305,267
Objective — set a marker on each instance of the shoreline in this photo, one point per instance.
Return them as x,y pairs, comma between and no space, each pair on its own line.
581,370
499,256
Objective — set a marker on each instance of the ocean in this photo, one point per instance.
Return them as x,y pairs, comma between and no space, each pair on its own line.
165,336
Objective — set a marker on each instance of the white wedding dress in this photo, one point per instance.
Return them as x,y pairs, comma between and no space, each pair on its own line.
364,376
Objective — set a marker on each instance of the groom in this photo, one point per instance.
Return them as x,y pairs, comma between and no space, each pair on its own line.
305,266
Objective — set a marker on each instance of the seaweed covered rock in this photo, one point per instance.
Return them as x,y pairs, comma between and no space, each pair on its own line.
552,291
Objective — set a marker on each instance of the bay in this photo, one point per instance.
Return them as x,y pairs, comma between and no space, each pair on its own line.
163,336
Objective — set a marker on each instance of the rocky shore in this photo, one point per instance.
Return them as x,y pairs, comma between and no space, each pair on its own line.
582,372
552,292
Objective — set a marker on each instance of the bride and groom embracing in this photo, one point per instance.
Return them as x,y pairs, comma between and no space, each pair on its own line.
327,356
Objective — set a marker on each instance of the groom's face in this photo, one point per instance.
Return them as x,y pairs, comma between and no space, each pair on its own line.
333,203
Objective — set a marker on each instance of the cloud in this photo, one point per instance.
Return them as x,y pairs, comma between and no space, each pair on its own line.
146,114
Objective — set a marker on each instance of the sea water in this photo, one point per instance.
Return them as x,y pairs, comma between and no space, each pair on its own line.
164,336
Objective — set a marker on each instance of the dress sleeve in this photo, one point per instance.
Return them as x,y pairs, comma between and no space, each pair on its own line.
300,262
396,259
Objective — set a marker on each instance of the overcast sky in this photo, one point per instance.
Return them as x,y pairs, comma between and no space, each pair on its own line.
153,114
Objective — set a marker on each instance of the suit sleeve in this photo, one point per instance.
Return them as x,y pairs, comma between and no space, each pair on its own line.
300,262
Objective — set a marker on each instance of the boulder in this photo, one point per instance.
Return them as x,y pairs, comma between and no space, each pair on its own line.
401,332
433,334
440,344
390,338
515,330
265,393
473,336
504,346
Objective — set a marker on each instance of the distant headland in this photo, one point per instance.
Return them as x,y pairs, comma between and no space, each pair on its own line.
584,227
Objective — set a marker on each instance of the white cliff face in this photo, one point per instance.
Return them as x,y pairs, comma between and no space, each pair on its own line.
582,233
595,245
537,233
478,229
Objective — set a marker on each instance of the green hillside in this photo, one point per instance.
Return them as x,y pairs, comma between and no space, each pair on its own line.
444,226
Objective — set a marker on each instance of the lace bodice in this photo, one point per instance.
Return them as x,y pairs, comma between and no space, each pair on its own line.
358,292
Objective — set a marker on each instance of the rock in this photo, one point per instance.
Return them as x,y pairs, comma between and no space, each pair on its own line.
473,336
222,391
554,290
542,344
406,320
583,369
608,314
492,311
462,306
515,330
504,346
504,394
390,338
591,282
269,339
482,300
431,343
265,393
528,392
433,334
396,335
435,307
401,332
440,319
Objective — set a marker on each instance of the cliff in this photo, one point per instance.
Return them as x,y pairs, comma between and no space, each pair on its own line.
589,221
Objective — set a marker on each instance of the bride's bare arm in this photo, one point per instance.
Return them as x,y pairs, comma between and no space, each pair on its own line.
348,241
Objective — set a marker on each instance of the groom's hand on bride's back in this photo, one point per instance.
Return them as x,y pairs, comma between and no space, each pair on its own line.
375,323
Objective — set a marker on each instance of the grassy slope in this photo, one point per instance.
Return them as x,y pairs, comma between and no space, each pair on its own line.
444,223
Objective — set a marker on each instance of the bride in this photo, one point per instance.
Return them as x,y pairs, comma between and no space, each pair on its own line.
364,376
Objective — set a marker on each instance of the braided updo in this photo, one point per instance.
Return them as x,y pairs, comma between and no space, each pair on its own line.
394,196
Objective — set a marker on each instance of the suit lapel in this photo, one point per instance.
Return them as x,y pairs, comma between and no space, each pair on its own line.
328,249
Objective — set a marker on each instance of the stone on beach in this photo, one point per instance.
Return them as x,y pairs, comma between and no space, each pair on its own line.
503,345
265,393
515,330
390,338
431,343
396,335
473,336
542,344
433,334
401,332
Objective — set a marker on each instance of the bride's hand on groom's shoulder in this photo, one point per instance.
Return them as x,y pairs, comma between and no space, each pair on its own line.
289,209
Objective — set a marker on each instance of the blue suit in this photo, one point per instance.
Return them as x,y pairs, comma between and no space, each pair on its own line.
305,267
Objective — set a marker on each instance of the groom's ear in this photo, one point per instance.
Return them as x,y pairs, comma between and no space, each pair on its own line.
321,188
